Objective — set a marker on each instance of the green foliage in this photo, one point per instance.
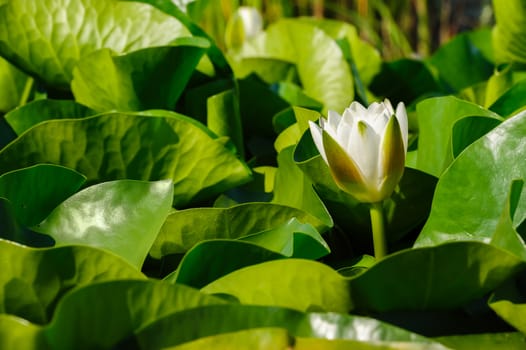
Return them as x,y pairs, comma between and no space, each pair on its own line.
156,192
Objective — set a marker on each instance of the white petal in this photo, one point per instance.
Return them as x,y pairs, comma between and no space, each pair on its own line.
355,110
363,149
344,135
401,115
333,120
389,107
316,133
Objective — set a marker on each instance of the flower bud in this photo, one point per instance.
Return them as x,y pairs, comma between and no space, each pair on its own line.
365,149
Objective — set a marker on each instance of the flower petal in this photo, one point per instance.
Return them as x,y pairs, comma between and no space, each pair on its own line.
391,158
401,115
316,133
344,170
333,120
363,149
354,111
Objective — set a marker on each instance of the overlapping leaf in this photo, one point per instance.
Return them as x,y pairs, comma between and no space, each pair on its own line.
145,79
34,280
322,68
472,192
183,229
122,216
145,146
66,31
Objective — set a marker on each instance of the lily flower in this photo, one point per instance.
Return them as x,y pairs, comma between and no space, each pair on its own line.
365,149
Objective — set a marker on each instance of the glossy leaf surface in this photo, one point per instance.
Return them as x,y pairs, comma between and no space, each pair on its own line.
111,215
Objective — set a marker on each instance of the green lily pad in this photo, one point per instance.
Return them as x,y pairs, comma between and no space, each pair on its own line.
206,321
105,315
149,78
65,32
33,280
12,82
143,146
212,259
293,289
122,216
434,143
322,69
472,192
185,228
27,116
508,34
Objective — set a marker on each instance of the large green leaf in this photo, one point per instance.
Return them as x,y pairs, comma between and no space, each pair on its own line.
67,31
461,63
33,280
302,285
206,321
102,315
511,101
122,216
472,192
143,146
490,341
445,276
508,34
34,192
254,339
150,78
215,54
224,118
12,82
183,229
366,58
509,302
211,259
17,333
293,188
25,117
321,66
434,143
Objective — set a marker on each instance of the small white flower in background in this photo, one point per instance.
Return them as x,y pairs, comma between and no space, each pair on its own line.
365,149
244,24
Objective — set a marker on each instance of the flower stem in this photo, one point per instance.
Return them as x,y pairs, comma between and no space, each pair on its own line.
377,223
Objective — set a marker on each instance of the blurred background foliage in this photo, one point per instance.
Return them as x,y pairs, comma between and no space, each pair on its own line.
400,28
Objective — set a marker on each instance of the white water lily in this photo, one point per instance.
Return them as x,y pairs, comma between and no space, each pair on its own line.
365,149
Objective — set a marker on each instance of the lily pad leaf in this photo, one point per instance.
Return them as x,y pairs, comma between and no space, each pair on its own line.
65,32
445,276
185,228
105,315
17,333
149,145
434,144
322,69
197,323
256,339
26,116
460,209
293,289
122,216
12,83
508,34
509,302
212,259
35,191
149,78
33,280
